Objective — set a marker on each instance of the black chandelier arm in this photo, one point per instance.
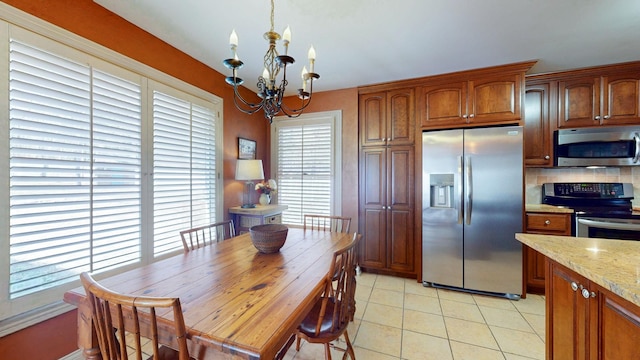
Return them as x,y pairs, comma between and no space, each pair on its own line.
245,106
290,112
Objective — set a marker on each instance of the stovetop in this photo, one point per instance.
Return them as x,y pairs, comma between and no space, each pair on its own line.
612,200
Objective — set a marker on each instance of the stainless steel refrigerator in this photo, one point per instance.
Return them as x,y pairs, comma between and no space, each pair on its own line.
472,207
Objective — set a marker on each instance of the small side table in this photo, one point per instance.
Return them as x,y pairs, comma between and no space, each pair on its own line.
245,218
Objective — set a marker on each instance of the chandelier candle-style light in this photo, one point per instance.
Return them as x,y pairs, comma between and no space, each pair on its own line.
270,92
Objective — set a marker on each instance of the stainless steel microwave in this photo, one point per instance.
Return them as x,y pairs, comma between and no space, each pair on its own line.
598,146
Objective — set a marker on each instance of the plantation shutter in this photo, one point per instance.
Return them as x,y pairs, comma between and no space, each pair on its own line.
116,172
70,159
305,165
183,168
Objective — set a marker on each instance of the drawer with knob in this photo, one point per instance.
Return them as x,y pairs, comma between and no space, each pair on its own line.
547,223
542,223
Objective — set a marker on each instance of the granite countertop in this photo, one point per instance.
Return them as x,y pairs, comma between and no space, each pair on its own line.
547,209
612,264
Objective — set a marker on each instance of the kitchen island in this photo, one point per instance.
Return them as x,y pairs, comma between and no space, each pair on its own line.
593,296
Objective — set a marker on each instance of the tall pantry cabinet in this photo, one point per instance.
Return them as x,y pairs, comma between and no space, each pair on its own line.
387,166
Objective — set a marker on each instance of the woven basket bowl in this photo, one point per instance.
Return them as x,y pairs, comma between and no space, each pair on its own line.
268,238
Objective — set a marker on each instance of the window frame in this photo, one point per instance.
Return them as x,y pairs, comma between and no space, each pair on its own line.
335,119
15,315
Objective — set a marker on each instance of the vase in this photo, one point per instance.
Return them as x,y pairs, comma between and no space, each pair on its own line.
265,199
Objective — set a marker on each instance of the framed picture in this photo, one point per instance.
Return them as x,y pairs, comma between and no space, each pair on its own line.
246,149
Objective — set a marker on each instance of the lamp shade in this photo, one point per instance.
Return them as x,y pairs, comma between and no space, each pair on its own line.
249,170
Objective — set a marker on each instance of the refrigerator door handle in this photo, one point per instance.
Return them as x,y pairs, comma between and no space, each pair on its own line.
468,206
460,195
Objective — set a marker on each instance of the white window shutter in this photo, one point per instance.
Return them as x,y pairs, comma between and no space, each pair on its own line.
74,170
305,170
116,179
183,168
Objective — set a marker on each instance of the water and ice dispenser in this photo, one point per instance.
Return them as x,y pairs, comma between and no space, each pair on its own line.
441,190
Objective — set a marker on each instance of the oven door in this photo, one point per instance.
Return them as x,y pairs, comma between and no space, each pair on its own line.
608,228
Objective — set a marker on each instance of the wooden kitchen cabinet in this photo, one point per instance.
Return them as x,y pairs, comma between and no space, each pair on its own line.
603,96
587,321
483,100
387,209
542,223
488,96
538,118
387,165
387,118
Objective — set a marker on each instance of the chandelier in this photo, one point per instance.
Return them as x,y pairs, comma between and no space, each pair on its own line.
270,92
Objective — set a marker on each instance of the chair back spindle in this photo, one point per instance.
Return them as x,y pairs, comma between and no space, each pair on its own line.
206,235
117,318
329,318
327,223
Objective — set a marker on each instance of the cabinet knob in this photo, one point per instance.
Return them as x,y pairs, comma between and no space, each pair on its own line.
465,116
574,286
472,115
547,222
606,117
597,117
587,294
547,157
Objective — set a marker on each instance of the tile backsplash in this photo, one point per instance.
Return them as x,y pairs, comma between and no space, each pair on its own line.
535,177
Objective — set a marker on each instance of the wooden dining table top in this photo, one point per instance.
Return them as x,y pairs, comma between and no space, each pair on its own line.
235,300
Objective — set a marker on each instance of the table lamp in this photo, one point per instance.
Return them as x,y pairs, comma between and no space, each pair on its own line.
249,170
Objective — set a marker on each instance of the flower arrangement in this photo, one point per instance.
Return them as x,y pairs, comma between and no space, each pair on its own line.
267,187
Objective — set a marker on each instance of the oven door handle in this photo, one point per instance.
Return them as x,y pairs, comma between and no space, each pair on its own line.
636,137
610,225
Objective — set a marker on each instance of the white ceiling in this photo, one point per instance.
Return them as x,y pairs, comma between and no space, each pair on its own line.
360,42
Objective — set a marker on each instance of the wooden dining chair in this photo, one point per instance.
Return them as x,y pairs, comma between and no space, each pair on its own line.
330,316
327,223
111,310
206,235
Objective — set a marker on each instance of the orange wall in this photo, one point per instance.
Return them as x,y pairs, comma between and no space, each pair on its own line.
49,340
91,21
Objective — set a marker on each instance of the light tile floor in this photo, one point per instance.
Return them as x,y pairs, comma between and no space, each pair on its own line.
399,319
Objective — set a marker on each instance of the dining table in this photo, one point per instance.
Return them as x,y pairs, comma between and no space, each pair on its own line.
237,303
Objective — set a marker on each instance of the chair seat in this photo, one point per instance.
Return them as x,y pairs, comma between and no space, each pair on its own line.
308,325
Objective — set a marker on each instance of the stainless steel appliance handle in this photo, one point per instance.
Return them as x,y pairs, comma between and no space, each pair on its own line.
468,186
460,196
610,225
636,137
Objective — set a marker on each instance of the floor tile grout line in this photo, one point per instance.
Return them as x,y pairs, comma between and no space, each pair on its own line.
376,285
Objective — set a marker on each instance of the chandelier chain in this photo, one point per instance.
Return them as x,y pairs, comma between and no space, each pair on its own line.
272,17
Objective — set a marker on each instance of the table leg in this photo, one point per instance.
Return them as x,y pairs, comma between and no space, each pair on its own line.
87,339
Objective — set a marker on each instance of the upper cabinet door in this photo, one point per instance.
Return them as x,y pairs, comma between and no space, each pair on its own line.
387,118
579,103
401,117
443,105
495,98
621,98
538,146
373,124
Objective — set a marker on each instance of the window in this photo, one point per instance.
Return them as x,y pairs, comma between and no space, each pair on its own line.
86,140
306,153
184,167
74,173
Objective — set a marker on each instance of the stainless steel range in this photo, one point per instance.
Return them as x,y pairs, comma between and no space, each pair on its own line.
602,210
